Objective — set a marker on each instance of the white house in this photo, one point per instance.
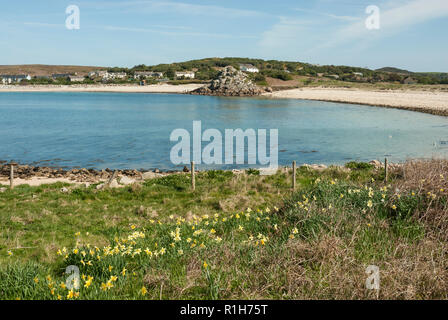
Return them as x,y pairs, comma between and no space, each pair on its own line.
249,68
76,78
148,74
114,75
98,73
185,74
8,79
358,74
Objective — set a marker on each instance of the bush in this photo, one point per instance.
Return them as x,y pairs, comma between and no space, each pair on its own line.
359,165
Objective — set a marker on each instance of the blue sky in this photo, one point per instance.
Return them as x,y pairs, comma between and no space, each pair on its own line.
413,33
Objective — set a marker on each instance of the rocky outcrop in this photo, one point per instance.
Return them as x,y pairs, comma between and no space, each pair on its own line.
78,175
230,82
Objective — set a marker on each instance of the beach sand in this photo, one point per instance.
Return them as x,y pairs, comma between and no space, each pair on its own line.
434,102
157,88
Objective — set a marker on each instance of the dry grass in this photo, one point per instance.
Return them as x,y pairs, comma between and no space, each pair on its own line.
429,180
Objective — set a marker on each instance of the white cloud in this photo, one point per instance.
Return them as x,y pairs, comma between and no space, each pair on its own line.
177,33
396,16
334,16
393,20
287,30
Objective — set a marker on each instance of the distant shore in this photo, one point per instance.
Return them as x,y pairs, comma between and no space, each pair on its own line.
433,102
122,88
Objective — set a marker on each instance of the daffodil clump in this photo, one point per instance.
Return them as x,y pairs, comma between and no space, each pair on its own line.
105,271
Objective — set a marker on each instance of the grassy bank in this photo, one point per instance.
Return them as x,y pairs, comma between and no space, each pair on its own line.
236,236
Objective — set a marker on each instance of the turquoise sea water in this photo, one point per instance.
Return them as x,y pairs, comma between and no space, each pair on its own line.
121,130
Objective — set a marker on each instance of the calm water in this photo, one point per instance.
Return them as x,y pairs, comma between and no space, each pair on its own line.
116,130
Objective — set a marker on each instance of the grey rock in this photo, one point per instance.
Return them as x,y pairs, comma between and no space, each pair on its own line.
376,163
150,175
100,186
230,82
114,184
126,180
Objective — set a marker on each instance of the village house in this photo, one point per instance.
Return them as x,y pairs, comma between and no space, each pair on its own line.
76,78
8,79
249,68
97,74
115,75
66,76
185,74
147,74
358,74
106,75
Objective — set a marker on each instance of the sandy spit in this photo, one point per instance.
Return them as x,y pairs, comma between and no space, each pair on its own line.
157,88
434,102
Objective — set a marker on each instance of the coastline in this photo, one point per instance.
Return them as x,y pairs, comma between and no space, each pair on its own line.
433,102
122,88
36,176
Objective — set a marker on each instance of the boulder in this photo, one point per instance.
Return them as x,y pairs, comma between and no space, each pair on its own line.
150,175
114,184
126,180
230,82
376,163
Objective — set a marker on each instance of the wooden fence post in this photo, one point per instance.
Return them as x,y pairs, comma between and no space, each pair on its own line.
293,175
11,176
114,175
385,170
193,182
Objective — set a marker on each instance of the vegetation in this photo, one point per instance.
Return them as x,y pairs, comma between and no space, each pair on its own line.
207,69
237,236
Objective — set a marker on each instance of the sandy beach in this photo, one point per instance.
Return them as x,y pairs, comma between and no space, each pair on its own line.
434,102
157,88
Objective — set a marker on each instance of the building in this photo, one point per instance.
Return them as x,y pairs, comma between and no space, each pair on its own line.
106,75
147,74
115,75
185,74
249,68
97,74
57,76
76,78
8,79
358,74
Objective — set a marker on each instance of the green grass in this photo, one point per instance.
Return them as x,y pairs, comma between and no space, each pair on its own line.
235,237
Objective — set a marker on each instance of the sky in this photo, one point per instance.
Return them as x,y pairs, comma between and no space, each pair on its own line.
412,34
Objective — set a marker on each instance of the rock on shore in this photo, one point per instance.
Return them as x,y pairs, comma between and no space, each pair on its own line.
230,82
77,175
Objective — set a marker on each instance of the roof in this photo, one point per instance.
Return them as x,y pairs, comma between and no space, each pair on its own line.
248,66
14,76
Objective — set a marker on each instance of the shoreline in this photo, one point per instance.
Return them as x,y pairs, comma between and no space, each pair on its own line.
36,176
153,88
435,103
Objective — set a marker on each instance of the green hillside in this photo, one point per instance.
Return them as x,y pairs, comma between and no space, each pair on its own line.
208,68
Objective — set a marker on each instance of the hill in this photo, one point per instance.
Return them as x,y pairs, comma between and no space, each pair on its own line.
45,70
271,71
394,70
